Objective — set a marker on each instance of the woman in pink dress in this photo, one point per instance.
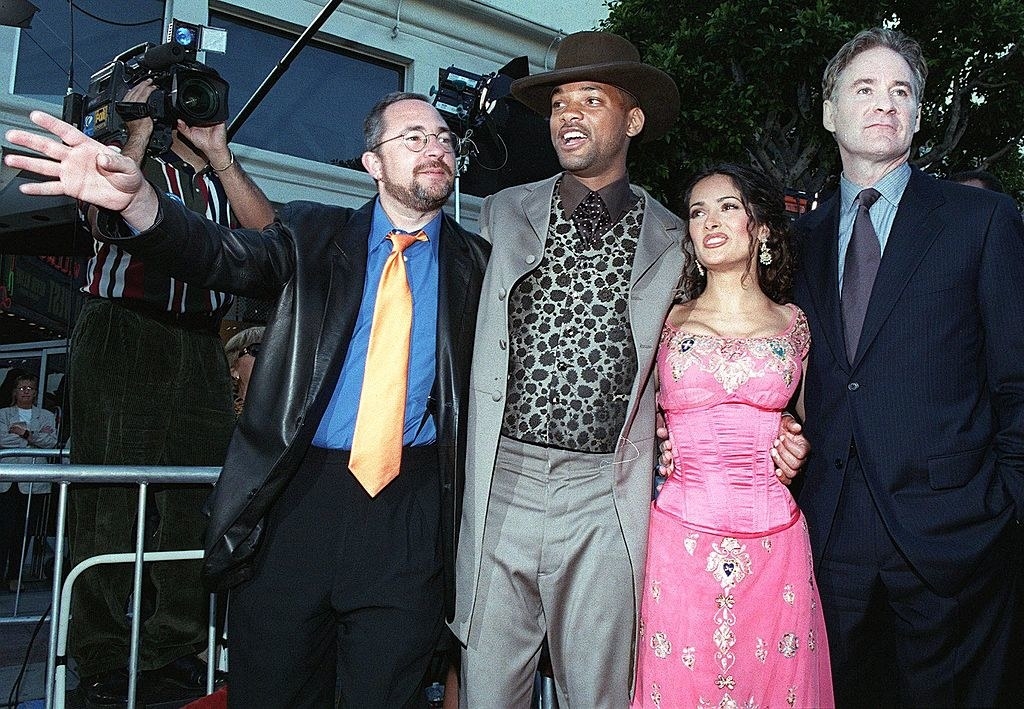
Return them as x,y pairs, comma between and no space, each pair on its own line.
730,614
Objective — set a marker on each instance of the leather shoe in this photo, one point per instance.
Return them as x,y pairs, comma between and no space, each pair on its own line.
183,678
106,689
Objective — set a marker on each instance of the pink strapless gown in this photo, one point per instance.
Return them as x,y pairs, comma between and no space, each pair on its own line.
730,614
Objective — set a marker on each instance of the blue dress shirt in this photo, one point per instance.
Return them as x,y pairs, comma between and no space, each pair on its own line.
338,424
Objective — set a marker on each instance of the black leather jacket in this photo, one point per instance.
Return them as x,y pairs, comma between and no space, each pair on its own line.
312,261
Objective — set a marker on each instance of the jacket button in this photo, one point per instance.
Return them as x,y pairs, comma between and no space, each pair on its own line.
496,396
853,386
503,345
530,258
839,463
502,293
252,493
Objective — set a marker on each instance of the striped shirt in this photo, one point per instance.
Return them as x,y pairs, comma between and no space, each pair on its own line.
114,273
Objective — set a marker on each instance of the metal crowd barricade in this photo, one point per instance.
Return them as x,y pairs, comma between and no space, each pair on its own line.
50,453
143,476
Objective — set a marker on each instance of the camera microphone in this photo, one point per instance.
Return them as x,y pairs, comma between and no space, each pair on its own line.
163,56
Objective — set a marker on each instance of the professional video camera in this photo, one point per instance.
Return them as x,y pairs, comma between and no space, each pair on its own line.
185,89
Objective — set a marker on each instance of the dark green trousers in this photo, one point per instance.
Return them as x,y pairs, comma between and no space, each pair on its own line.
142,393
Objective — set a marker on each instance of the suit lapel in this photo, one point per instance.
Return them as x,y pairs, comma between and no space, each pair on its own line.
537,208
916,226
347,253
821,270
656,237
454,269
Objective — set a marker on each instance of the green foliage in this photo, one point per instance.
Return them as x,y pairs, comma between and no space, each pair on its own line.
749,73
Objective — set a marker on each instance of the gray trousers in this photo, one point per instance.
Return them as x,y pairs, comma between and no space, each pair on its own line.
554,563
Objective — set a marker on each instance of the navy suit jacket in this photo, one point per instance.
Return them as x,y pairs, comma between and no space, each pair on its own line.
934,398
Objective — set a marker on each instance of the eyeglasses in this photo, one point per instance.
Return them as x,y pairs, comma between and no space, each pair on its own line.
416,140
24,388
252,350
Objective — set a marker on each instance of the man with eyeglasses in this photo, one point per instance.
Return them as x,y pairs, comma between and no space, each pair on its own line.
22,425
326,567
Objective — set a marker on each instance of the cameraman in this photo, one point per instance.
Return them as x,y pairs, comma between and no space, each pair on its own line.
150,386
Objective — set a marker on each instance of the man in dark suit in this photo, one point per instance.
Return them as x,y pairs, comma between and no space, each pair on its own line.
326,567
914,399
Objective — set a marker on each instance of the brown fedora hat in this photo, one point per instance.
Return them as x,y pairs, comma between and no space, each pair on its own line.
609,59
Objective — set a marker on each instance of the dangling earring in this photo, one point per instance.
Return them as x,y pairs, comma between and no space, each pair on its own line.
764,255
700,268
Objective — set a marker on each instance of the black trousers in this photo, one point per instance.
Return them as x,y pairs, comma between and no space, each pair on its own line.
893,641
344,581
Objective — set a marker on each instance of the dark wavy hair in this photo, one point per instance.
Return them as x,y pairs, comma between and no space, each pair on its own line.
765,204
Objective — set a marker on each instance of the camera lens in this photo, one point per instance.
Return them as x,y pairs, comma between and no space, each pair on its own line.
198,100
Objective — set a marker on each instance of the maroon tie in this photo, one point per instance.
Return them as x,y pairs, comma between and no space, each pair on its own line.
862,258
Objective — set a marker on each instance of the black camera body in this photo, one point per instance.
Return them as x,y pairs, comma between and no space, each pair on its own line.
185,89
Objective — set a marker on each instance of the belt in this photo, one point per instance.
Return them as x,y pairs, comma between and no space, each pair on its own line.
199,322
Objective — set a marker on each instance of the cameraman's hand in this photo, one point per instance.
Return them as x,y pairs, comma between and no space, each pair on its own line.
139,130
84,169
211,140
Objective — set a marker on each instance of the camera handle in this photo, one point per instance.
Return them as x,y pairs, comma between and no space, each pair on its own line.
131,110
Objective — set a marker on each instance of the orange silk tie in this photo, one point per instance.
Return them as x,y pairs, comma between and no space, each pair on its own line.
377,442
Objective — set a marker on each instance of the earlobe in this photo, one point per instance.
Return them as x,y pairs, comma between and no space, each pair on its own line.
636,121
372,164
826,116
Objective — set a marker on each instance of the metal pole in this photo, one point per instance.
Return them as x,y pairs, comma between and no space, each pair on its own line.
281,68
58,573
140,539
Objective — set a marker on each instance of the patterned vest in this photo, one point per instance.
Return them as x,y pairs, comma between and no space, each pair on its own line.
571,356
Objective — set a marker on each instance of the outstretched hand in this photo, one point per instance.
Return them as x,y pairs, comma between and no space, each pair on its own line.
84,170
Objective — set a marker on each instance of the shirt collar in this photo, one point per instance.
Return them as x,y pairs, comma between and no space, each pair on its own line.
617,196
890,186
381,226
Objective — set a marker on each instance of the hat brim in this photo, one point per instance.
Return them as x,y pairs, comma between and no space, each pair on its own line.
653,89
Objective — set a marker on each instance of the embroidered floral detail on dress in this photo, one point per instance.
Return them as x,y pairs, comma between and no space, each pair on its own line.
725,681
767,544
761,653
703,703
656,694
690,543
728,703
689,656
734,361
788,645
724,639
661,646
656,590
728,562
791,697
812,644
787,594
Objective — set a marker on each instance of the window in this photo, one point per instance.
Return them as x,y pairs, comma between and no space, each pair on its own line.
100,30
316,108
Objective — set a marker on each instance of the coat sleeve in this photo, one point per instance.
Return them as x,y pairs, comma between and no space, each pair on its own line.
187,245
8,439
1002,312
44,434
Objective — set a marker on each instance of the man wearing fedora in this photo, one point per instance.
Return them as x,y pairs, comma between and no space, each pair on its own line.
562,392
